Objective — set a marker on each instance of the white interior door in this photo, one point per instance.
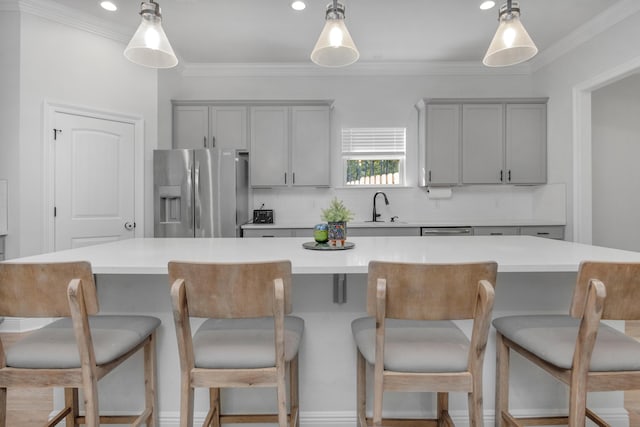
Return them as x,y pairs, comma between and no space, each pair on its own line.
94,180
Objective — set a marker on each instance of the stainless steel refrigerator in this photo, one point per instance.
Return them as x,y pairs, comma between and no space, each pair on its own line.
200,193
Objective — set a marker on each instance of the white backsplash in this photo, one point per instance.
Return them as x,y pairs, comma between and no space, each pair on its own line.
495,202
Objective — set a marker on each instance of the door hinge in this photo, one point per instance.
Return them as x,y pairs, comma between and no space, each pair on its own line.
55,133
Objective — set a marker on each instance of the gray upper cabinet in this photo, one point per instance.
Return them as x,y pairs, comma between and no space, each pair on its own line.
310,146
190,126
269,146
483,141
209,126
228,127
290,145
526,143
443,144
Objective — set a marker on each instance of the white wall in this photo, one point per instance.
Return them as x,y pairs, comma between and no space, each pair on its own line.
359,101
605,52
616,150
9,113
71,66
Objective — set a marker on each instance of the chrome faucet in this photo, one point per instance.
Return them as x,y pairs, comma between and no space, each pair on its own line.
375,213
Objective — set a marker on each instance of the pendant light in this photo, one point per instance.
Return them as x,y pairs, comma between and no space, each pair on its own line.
149,45
511,44
335,47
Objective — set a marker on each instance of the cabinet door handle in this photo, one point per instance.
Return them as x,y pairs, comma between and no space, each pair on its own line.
205,142
285,177
501,176
294,178
429,176
509,175
213,141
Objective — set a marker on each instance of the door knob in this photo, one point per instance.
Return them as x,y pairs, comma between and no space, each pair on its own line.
129,225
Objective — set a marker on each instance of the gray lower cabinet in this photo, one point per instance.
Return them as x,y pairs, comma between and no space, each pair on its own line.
262,232
548,231
496,231
383,231
278,232
351,232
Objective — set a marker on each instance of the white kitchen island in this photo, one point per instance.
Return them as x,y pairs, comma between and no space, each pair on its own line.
535,275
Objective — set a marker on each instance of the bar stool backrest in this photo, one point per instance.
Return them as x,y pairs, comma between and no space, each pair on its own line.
622,282
451,290
232,290
40,290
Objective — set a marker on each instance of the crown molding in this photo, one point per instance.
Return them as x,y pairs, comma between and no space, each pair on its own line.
607,19
357,69
67,16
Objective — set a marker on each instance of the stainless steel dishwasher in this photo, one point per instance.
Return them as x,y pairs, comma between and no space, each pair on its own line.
446,231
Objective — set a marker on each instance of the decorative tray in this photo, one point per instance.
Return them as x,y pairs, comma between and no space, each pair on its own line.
315,246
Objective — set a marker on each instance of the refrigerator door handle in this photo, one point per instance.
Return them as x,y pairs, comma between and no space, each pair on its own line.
196,192
189,201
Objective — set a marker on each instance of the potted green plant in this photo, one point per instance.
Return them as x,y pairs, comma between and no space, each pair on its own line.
337,215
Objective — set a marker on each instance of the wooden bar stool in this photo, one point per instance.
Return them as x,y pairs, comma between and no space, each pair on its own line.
73,352
578,349
411,342
248,339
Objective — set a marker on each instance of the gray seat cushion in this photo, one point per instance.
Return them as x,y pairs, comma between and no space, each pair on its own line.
244,343
54,345
414,345
553,338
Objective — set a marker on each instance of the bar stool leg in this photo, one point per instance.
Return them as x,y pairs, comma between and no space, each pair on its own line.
361,391
577,400
71,402
442,408
3,407
214,404
378,391
294,399
502,379
186,402
282,399
150,380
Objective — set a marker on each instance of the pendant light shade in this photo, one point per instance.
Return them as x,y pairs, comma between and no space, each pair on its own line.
335,47
149,45
511,44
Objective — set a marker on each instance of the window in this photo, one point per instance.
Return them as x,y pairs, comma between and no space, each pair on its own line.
373,156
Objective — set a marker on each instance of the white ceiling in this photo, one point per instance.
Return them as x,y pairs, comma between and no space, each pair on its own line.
269,31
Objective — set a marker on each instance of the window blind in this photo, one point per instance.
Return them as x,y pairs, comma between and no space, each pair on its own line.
374,140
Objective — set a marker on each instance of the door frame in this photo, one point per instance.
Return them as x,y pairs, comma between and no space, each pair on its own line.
582,147
50,109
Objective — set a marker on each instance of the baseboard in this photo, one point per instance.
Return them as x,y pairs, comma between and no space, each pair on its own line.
615,417
307,419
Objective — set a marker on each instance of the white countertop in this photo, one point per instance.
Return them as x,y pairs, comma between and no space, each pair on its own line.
408,224
512,253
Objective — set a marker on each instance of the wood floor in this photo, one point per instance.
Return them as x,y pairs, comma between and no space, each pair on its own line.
32,407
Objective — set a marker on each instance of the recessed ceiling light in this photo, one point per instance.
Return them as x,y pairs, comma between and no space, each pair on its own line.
487,4
110,6
298,5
